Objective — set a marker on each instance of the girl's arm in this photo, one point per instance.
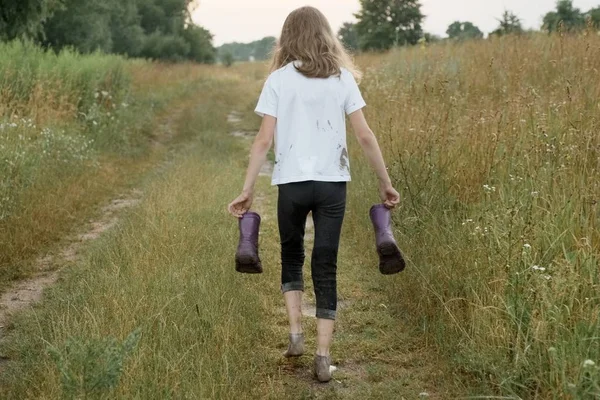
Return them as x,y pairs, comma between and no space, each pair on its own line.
368,142
258,156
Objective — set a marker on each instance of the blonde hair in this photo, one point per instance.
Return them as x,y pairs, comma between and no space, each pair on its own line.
307,37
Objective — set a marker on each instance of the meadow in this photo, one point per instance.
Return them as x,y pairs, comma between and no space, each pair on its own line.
74,130
494,146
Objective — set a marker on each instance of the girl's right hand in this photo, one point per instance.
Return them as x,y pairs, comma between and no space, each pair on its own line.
241,205
389,196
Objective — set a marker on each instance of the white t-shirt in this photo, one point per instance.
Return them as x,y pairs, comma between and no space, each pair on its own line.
310,134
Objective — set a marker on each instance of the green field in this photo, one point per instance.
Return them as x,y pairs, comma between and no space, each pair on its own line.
493,144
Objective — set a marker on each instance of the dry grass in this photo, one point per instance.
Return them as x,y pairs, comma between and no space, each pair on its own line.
75,130
495,146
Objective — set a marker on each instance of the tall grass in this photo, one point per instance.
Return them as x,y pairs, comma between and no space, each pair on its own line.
160,275
44,85
496,147
73,130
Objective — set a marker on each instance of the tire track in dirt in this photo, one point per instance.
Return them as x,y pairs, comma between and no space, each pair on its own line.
24,294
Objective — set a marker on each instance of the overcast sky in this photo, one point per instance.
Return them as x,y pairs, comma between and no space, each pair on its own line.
248,20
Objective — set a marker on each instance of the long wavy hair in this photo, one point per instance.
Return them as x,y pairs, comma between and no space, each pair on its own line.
307,37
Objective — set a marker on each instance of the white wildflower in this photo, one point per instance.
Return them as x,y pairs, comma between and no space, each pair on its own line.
489,189
538,268
588,363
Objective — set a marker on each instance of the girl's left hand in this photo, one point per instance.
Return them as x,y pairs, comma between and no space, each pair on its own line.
241,205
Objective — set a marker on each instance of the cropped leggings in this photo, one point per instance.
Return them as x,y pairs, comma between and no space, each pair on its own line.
327,202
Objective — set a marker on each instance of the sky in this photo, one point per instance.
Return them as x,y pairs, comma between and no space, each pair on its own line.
248,20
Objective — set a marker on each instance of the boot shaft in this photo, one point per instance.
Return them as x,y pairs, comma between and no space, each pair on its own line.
381,217
249,226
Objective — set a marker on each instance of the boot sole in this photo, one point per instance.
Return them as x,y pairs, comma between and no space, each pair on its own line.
248,265
390,259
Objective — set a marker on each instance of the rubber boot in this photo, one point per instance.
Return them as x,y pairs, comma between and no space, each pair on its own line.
390,257
247,260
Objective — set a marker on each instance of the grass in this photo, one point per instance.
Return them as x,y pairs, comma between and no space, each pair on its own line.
74,131
165,280
494,147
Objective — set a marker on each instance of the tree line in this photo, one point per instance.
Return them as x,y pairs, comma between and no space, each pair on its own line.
257,50
163,29
155,29
382,24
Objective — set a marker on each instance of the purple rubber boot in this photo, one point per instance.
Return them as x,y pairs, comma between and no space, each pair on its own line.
247,260
390,257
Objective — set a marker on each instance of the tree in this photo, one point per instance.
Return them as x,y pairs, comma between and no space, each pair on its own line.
200,41
386,23
84,25
509,24
25,18
157,29
431,38
127,34
349,36
567,16
227,59
463,31
593,17
264,47
257,50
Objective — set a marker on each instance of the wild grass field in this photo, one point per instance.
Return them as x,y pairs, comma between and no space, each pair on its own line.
74,130
495,148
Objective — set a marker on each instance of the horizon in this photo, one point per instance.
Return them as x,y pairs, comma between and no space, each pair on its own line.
219,16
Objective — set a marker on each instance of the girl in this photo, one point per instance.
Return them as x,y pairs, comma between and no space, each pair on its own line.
303,102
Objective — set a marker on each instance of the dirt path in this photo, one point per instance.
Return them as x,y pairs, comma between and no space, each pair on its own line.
25,294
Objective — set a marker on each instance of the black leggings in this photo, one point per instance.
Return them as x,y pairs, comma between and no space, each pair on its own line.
327,201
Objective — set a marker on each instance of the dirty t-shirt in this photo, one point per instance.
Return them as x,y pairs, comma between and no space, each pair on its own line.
310,134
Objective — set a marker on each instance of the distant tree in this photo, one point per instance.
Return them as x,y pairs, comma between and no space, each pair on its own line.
157,29
386,23
570,17
165,47
257,50
200,41
509,24
25,18
227,59
263,47
126,33
431,38
349,36
463,31
81,24
593,17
